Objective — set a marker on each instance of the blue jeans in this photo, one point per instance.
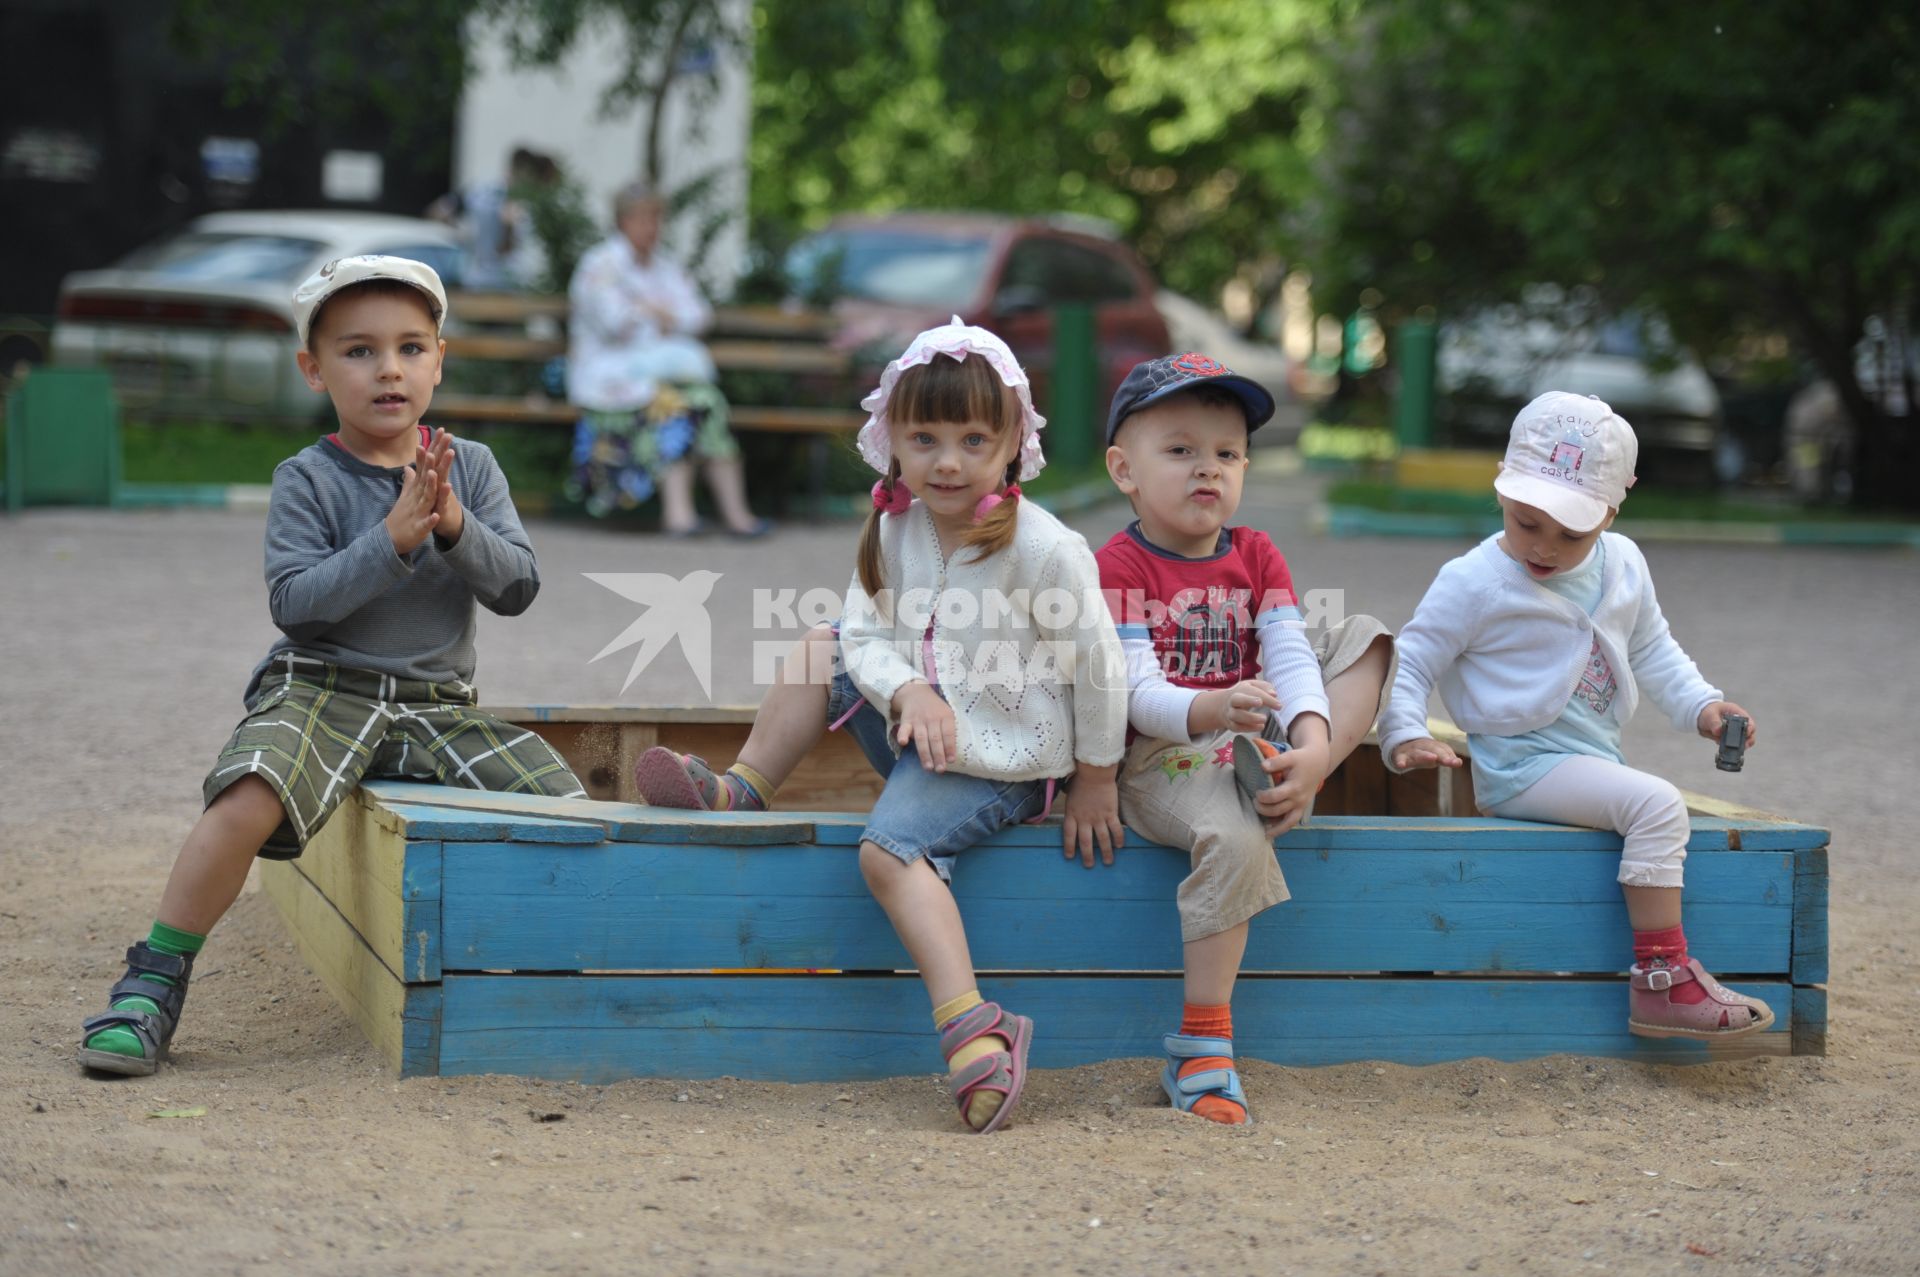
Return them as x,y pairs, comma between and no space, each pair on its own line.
923,813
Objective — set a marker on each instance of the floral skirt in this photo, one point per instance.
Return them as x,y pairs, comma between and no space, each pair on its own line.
617,456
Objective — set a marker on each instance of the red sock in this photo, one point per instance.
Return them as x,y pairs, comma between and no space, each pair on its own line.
1670,948
1210,1022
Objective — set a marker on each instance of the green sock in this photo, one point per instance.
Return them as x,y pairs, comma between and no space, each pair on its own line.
123,1041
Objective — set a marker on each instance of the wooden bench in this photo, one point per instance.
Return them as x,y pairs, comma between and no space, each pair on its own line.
522,328
469,932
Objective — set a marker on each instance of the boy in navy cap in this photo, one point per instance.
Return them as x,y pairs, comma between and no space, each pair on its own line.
1235,718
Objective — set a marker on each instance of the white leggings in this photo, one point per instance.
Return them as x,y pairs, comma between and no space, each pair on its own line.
1647,811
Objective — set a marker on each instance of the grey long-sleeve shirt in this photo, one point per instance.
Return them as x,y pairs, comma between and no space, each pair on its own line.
340,592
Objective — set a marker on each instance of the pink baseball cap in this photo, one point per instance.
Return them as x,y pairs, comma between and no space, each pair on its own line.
1570,456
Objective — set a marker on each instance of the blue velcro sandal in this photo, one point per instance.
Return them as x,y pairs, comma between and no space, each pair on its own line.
153,1029
1185,1092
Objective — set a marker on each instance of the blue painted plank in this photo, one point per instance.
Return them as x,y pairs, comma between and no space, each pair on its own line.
421,1017
1767,835
420,874
1343,833
834,1028
450,824
657,907
1809,1026
1810,916
621,822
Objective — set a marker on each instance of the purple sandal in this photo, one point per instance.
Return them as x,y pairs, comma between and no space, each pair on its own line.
1724,1014
1002,1071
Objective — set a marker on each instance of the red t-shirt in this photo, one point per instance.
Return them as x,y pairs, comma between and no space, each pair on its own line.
1203,615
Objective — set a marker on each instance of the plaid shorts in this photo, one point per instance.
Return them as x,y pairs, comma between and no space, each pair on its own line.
314,731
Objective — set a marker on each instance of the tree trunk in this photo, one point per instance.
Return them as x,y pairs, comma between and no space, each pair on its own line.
1884,446
669,70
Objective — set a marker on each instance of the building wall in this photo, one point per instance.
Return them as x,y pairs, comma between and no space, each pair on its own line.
557,110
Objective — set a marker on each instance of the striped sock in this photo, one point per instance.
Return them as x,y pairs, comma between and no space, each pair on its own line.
747,789
1210,1022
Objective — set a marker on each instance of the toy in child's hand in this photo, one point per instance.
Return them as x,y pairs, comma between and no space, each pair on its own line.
1249,754
1733,743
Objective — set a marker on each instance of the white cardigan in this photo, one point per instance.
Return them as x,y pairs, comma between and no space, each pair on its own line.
1023,645
1507,652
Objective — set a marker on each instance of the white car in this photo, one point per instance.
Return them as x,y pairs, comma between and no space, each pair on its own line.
200,324
1493,361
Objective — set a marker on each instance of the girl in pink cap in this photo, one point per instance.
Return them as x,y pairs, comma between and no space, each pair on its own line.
1541,640
976,665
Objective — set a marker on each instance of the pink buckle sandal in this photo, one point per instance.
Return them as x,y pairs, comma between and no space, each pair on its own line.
667,779
1723,1014
1002,1071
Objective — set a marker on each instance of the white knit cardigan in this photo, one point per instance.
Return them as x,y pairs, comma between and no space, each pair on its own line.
1024,648
1507,653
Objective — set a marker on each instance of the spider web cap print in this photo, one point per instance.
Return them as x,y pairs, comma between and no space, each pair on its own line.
956,341
1155,379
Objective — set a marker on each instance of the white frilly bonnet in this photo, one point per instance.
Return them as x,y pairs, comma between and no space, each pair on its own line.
956,341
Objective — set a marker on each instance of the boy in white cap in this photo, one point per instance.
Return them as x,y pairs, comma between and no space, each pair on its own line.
1542,640
378,545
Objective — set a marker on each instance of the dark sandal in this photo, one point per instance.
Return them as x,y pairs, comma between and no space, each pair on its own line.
154,1029
1001,1071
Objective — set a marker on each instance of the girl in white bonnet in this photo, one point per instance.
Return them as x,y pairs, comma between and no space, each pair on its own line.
972,700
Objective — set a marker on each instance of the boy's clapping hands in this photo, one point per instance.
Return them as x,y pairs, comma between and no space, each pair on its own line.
414,515
427,503
438,457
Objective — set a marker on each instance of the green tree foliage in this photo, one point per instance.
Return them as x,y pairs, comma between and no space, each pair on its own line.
1175,122
1744,168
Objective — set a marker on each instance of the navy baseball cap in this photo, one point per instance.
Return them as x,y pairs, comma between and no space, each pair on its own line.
1155,379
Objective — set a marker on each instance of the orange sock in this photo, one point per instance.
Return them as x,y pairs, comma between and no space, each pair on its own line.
1210,1022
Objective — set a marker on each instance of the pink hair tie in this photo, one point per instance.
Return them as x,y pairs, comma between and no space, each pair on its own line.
891,498
992,499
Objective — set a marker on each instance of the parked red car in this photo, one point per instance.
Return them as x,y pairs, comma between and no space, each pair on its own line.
892,276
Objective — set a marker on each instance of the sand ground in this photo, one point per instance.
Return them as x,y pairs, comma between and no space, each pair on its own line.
124,641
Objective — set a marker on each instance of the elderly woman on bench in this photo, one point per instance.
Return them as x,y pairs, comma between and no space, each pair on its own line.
645,384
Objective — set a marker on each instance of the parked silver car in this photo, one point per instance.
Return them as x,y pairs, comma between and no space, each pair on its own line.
1493,361
200,324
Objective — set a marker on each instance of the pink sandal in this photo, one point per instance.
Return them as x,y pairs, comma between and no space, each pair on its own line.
667,779
1002,1071
1723,1014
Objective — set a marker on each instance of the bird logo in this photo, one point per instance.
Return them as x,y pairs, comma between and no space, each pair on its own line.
676,608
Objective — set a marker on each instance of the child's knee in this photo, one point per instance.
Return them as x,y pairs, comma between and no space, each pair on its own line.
1660,811
880,868
1232,857
813,656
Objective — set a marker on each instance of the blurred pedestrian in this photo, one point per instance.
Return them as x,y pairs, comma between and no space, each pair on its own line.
499,251
644,381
